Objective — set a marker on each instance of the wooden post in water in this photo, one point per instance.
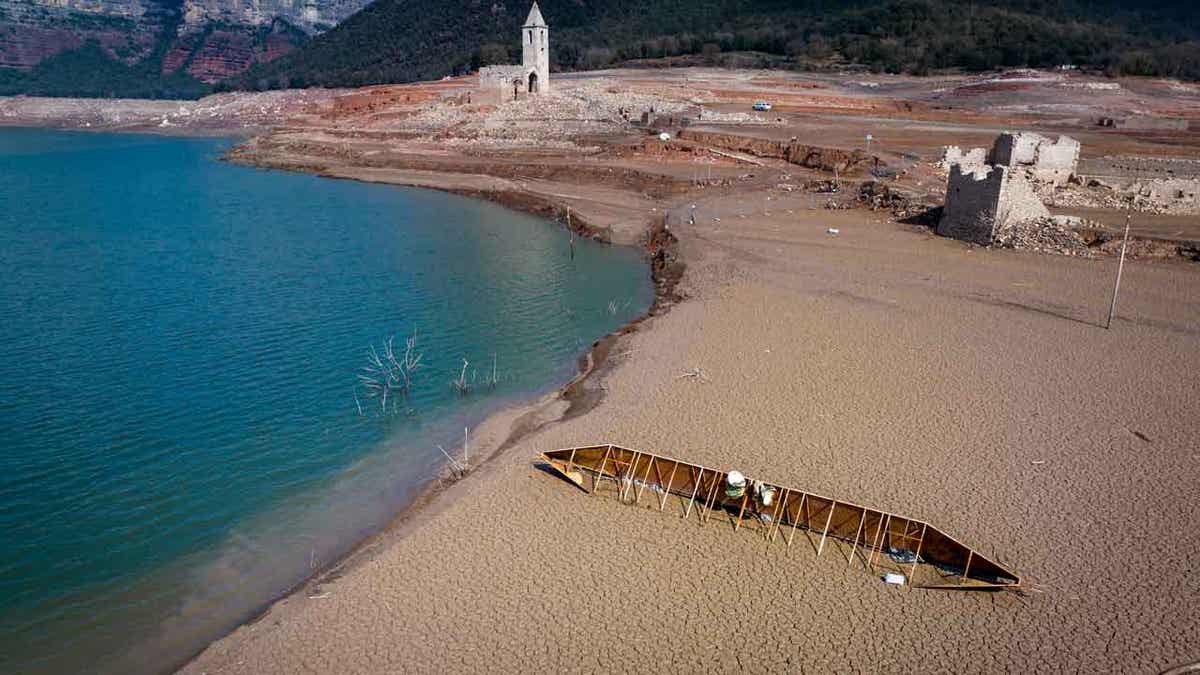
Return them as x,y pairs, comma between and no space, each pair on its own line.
572,233
1112,307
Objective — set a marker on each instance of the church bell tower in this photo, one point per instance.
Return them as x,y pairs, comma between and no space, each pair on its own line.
535,51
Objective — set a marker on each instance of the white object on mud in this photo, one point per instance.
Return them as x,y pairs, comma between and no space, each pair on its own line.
735,485
664,136
894,579
833,230
766,493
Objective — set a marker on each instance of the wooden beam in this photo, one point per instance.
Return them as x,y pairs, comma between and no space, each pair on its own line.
628,479
883,537
861,521
600,471
711,502
796,521
667,489
695,478
646,477
869,561
917,556
967,569
808,527
742,510
826,532
775,519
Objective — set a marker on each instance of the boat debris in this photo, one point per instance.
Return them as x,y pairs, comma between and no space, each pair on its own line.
918,554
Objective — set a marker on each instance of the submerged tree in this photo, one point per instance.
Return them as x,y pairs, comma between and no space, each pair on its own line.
388,377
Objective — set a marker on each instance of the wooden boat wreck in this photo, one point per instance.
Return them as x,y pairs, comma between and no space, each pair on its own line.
903,549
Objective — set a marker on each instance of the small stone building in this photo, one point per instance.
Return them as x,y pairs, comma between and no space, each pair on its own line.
508,83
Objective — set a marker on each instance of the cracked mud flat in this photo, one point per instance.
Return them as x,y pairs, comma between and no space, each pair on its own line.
972,388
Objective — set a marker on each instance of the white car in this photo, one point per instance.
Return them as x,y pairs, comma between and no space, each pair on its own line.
762,105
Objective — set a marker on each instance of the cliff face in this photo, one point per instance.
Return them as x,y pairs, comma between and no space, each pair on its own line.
32,30
203,39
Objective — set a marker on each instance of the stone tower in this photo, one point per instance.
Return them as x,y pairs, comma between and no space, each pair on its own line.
535,51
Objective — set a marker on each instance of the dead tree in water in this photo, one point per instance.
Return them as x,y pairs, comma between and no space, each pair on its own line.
387,377
461,385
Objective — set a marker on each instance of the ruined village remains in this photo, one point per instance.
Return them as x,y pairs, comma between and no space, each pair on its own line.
989,193
508,83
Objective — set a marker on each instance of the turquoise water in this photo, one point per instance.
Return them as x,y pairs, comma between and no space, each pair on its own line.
179,434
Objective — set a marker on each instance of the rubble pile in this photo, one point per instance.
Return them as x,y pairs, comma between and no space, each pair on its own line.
1044,235
716,117
876,196
219,111
1178,196
553,119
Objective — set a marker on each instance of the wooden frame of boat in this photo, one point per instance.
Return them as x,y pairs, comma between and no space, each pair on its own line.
882,541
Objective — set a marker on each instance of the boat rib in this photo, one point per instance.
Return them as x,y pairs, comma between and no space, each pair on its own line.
884,543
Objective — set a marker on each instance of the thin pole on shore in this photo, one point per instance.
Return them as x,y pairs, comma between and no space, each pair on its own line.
1112,307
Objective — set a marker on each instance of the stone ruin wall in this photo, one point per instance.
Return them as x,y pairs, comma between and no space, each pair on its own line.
1046,160
496,83
1014,149
970,160
1018,202
1056,162
971,201
979,203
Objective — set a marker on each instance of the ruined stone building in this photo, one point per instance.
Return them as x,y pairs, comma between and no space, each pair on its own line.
982,202
988,192
508,83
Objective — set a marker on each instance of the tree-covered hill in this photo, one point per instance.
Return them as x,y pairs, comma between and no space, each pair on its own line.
406,40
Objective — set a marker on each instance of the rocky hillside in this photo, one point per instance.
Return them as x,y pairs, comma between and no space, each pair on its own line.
149,48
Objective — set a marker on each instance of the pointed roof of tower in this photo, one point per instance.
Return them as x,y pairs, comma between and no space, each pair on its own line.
535,18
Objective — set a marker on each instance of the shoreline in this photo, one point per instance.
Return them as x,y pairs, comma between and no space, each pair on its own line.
581,394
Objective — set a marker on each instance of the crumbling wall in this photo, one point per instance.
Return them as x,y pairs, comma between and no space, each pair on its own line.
1047,160
970,160
972,198
1056,162
496,83
1013,149
979,203
1019,203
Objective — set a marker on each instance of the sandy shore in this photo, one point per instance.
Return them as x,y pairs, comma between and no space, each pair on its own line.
969,387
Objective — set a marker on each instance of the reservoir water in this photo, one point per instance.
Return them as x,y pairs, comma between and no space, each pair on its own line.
183,435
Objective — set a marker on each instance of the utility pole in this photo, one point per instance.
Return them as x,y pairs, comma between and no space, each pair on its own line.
1112,307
